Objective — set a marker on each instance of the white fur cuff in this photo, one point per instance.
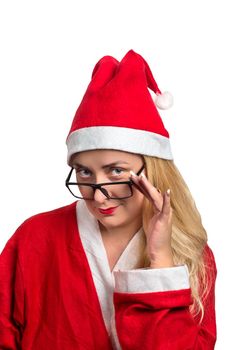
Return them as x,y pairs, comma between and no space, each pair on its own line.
151,280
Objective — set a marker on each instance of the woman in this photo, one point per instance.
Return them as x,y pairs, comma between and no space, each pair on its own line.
127,266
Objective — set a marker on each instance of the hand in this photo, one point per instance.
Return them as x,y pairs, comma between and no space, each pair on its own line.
159,228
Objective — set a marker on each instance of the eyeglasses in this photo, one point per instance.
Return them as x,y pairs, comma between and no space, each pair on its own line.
112,190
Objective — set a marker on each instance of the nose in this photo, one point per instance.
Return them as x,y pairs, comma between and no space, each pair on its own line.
99,196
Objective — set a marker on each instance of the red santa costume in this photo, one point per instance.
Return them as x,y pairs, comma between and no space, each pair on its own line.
56,287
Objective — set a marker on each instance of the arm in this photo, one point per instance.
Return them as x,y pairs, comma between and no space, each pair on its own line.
161,320
11,298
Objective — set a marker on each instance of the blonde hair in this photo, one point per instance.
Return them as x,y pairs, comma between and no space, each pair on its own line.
189,237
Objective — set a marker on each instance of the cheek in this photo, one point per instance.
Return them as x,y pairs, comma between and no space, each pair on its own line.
135,203
90,207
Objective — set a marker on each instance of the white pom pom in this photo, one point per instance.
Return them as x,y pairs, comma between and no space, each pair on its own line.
164,100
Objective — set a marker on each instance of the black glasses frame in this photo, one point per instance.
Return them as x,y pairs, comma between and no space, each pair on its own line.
99,186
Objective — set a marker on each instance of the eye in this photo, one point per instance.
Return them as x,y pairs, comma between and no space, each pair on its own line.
118,171
82,172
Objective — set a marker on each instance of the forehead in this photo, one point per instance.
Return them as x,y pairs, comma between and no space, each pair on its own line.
101,157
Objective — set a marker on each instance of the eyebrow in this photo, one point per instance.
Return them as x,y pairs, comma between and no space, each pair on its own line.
103,167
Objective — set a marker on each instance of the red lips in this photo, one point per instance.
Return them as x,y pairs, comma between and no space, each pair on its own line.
108,210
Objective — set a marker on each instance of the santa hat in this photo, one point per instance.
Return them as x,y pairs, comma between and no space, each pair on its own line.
118,112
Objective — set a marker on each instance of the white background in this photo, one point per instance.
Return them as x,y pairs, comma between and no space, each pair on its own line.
48,51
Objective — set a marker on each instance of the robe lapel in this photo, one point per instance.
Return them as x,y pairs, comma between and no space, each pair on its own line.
97,258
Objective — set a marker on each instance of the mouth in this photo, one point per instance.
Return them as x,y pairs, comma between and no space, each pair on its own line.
107,210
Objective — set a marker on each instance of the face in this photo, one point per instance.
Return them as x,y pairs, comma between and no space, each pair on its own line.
94,167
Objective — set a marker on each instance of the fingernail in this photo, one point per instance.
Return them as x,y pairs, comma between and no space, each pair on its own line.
168,192
132,173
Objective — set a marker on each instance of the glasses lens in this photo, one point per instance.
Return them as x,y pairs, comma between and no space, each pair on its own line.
72,185
118,190
74,189
114,191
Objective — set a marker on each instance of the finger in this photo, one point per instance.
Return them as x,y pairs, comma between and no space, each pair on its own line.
155,195
166,208
136,180
140,188
147,191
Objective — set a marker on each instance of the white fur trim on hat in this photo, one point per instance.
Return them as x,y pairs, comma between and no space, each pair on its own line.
119,138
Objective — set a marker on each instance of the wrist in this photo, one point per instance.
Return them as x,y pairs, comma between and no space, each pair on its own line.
161,260
161,265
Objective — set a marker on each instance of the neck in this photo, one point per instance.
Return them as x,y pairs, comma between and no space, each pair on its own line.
116,240
120,233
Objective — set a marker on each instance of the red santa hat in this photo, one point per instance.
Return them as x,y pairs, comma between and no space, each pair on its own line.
118,112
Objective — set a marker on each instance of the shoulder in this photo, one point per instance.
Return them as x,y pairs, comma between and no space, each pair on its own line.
55,216
209,259
210,270
45,225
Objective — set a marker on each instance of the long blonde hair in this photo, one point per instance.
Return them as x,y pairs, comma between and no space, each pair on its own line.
189,237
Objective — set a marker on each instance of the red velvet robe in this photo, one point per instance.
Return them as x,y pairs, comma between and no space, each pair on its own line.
48,298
